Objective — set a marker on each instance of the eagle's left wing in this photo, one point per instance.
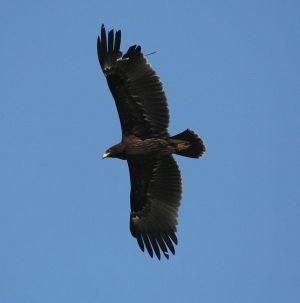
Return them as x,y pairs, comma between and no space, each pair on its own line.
137,90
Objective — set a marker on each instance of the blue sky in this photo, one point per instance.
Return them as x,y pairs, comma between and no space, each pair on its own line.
231,72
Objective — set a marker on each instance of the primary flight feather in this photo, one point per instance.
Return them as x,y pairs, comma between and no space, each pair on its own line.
146,144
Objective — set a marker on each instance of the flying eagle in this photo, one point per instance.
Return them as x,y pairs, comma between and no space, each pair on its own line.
146,144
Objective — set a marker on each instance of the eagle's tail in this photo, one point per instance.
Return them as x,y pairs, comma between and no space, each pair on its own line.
188,144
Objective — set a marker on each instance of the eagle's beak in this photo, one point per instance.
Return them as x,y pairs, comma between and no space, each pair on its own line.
105,155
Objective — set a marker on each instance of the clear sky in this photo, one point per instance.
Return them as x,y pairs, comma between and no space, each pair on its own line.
231,72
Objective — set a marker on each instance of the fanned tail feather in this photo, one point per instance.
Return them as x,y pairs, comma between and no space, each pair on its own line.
188,144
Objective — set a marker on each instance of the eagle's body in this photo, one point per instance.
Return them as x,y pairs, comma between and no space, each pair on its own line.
146,144
132,146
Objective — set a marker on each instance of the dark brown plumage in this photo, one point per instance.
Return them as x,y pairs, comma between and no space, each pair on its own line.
146,144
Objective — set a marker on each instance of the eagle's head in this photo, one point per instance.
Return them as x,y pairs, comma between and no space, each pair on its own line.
116,151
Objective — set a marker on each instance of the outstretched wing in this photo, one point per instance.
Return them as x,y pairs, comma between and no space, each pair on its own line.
137,90
155,199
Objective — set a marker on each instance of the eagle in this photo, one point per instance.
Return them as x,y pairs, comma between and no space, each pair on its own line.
146,144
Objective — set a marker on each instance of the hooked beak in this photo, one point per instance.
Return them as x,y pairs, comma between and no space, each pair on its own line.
105,155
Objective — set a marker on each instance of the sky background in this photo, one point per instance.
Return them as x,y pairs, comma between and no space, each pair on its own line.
231,72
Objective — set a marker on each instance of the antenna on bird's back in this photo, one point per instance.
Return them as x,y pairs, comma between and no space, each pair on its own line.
152,53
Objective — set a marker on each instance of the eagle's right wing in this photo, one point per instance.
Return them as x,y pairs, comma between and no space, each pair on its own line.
155,199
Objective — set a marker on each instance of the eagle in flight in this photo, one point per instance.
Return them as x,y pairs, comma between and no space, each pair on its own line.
146,144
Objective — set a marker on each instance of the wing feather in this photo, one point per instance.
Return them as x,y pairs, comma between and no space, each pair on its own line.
137,90
155,199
